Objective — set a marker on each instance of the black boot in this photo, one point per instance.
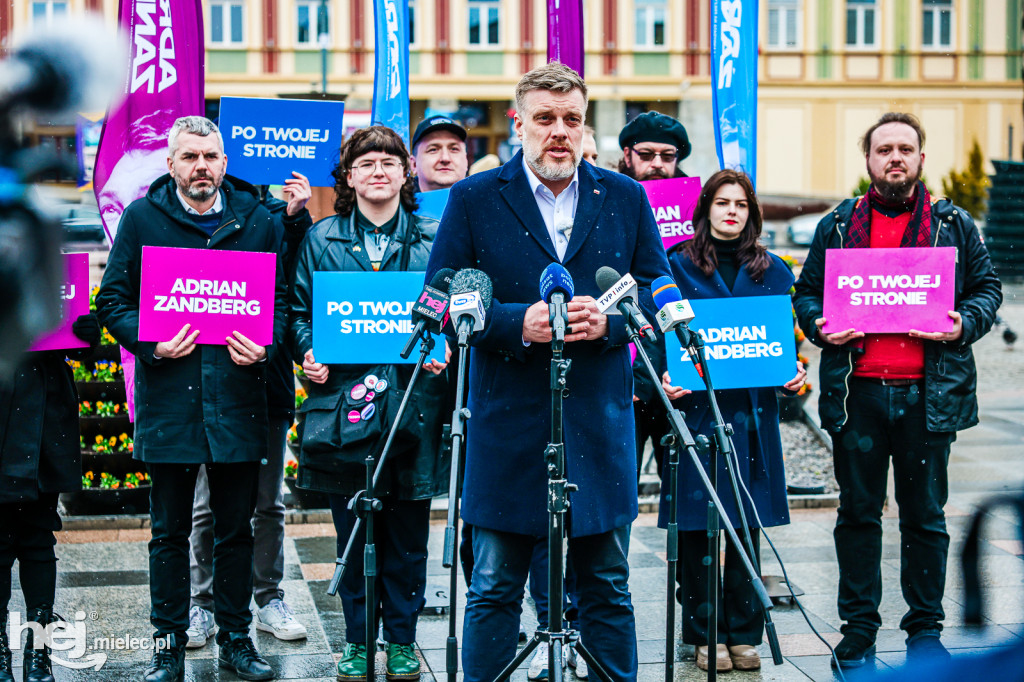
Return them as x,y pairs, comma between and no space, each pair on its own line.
36,665
167,665
238,654
6,672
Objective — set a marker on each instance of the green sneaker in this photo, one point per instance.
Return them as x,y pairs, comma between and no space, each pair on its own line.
352,666
403,663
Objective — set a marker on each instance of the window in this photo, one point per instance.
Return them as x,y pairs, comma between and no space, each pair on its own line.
412,22
861,20
937,24
312,23
783,21
226,26
650,24
46,12
484,28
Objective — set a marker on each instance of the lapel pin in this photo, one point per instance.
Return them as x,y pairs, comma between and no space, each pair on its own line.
356,248
597,191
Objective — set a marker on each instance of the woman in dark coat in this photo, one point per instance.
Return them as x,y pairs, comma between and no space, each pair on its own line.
40,457
374,230
725,259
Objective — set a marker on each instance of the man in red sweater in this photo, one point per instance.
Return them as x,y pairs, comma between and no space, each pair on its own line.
896,396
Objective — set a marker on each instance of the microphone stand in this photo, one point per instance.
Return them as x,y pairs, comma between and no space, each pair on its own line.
364,504
556,634
724,447
681,432
457,435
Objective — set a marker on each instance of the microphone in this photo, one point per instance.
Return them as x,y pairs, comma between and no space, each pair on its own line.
430,307
470,298
75,64
674,314
556,289
620,295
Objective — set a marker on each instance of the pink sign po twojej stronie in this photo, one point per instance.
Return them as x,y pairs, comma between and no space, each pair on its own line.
75,300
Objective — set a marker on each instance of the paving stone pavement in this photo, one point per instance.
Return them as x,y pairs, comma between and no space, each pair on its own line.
104,574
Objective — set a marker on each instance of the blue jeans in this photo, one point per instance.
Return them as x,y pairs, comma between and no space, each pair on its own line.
495,601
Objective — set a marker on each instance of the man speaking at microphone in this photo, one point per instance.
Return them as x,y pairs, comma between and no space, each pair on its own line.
543,206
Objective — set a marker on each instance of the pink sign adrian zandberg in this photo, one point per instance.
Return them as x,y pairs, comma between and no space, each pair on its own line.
889,291
673,201
215,291
75,295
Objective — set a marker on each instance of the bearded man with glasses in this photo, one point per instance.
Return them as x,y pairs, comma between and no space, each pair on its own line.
653,145
374,230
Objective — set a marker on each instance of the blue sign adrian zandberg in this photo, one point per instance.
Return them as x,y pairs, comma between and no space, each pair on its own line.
748,340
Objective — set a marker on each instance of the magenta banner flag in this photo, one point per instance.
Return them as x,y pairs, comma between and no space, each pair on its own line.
889,291
565,33
164,81
217,292
673,201
75,301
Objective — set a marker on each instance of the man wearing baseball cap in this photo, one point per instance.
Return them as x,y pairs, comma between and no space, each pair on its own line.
653,145
439,158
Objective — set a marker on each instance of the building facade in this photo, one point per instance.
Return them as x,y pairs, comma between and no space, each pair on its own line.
828,68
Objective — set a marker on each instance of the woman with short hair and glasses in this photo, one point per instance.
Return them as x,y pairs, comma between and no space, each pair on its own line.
374,230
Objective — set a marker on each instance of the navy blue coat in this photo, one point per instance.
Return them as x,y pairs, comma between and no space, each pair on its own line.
492,223
753,413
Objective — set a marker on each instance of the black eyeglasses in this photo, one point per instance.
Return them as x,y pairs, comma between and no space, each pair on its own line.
648,155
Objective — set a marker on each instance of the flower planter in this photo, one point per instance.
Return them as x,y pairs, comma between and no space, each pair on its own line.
306,499
107,391
115,463
105,501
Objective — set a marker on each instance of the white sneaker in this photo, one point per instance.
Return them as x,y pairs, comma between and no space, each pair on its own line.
539,663
200,627
577,663
277,619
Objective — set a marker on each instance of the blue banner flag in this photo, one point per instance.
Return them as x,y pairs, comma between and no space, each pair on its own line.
391,59
432,203
266,139
364,317
748,340
734,83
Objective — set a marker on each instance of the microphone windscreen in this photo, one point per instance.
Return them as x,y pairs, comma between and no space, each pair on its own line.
442,279
607,277
665,291
467,280
555,279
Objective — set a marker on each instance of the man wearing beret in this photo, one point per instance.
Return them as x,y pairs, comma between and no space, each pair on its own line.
653,145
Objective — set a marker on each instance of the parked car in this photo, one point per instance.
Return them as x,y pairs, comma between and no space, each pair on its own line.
81,222
800,229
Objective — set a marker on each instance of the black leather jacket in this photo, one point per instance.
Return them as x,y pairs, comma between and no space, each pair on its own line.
335,245
950,376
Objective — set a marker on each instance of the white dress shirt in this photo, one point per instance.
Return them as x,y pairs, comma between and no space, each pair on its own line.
558,212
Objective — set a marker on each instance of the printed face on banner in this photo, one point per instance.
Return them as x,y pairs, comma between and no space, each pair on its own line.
889,291
551,129
363,317
673,202
217,292
748,342
75,302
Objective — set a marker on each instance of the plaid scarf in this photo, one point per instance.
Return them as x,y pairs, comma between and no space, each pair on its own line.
919,229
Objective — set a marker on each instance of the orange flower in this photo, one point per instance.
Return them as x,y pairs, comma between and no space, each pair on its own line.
99,439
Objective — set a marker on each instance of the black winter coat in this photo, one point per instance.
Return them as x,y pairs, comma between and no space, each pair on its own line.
415,473
185,403
39,447
951,402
